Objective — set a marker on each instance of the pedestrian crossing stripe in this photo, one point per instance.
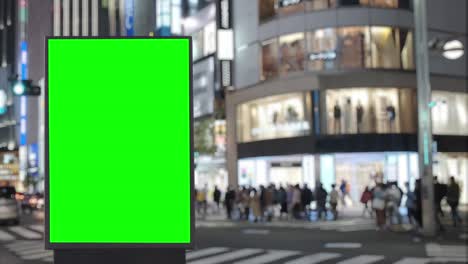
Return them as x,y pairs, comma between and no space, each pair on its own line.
364,259
5,236
32,232
436,250
269,256
315,258
204,252
241,253
34,251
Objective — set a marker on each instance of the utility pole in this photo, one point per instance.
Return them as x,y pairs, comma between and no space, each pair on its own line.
424,118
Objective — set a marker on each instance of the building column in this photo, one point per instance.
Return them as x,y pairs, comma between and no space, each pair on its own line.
317,171
231,138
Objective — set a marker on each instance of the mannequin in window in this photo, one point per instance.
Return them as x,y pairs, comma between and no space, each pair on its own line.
275,117
359,116
391,115
372,119
348,115
337,118
292,114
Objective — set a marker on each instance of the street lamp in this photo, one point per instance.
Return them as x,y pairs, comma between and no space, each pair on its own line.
449,48
453,49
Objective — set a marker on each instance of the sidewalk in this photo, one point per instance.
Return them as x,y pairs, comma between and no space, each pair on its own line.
349,220
346,213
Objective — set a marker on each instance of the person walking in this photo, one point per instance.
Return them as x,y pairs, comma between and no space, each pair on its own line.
283,201
269,202
289,199
334,197
217,197
254,204
440,191
345,189
306,199
262,194
393,198
378,204
296,202
453,198
366,197
201,201
410,204
321,197
246,203
418,202
229,200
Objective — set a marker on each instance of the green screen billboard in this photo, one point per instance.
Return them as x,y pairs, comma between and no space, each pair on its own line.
119,162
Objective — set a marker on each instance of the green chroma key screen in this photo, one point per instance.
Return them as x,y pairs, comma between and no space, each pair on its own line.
119,141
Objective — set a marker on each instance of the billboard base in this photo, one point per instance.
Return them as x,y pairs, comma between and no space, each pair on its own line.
119,256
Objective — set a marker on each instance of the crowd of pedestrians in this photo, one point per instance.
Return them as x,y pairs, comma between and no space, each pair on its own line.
267,202
387,199
383,202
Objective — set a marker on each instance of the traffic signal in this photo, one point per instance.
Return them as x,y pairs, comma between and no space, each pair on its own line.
25,87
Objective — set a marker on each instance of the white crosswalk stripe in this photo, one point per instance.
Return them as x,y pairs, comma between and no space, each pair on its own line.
34,250
31,250
24,232
4,236
38,228
272,255
343,245
41,255
228,256
413,261
204,252
315,258
436,250
363,259
49,259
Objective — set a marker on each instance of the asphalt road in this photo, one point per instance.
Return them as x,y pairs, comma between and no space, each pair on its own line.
347,242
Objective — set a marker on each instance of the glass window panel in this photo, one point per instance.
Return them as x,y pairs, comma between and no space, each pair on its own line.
449,115
287,7
384,3
353,47
292,53
353,2
407,49
312,5
276,116
370,110
322,49
267,9
197,45
385,46
270,59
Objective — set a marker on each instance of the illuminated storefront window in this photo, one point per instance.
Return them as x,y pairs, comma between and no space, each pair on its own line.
322,47
269,9
450,113
291,53
354,47
392,48
269,59
370,110
313,5
278,116
357,47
